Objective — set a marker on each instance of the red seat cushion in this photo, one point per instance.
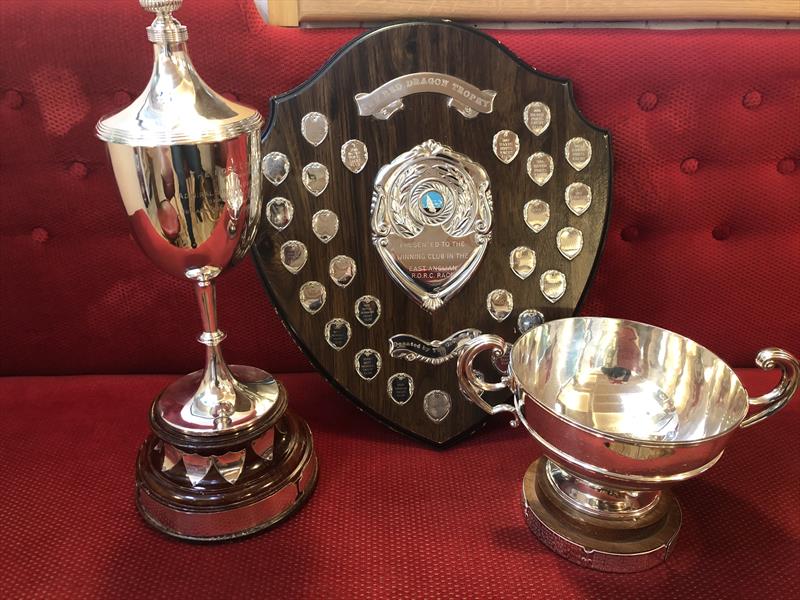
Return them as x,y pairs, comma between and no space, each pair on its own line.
390,518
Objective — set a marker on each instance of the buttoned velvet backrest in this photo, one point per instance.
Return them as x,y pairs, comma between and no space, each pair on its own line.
705,229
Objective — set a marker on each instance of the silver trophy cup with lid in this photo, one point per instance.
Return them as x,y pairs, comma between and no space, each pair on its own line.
225,458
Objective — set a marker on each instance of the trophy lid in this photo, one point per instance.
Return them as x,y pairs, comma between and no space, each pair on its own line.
176,106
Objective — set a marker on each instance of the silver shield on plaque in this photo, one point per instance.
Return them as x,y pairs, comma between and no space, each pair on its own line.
536,214
505,145
354,155
314,128
325,225
578,152
570,242
578,197
540,167
312,296
315,177
275,167
431,220
537,117
279,213
294,255
553,284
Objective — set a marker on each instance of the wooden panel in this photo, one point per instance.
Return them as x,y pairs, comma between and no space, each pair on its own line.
364,65
292,12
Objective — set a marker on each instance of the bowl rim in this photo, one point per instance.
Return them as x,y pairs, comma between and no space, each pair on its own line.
517,382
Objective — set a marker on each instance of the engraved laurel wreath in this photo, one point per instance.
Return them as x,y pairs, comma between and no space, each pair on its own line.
461,187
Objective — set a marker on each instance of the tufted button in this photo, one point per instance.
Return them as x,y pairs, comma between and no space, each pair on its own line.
78,170
40,235
648,101
689,166
787,165
231,96
721,232
752,99
122,98
630,233
13,99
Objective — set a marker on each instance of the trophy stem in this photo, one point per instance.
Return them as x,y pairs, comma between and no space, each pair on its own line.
216,395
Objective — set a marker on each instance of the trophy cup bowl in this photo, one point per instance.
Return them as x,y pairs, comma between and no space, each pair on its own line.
225,458
623,410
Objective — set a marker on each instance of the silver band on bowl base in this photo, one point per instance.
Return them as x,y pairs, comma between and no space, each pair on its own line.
613,550
270,498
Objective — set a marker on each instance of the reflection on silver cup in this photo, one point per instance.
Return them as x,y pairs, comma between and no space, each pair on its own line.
622,410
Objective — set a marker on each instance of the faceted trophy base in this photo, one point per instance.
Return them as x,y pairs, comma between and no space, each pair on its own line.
189,491
612,549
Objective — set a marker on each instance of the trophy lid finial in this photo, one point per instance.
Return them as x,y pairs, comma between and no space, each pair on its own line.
165,28
177,106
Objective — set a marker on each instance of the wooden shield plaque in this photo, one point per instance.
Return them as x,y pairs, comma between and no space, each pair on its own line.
423,187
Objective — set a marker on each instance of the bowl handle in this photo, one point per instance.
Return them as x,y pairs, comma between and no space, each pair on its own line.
775,358
469,382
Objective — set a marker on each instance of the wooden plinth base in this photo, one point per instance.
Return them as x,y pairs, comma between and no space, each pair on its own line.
186,491
609,549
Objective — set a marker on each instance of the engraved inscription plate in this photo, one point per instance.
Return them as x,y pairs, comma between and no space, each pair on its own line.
499,303
337,333
570,242
400,387
325,225
505,145
314,128
275,167
368,310
342,270
528,319
536,117
578,197
410,347
536,214
367,363
431,221
354,155
279,213
578,152
293,255
540,167
315,177
523,261
385,100
437,405
553,284
312,296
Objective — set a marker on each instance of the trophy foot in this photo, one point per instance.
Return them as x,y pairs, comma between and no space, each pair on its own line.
229,485
216,401
613,544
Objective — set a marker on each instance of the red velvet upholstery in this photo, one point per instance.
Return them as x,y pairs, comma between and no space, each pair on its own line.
704,239
390,518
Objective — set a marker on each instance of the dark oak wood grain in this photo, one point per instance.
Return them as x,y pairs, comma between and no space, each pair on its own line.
362,66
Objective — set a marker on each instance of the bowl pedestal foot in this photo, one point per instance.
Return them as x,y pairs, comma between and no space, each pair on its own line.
618,539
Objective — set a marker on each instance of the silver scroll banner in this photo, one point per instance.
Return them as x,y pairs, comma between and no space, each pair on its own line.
385,100
410,347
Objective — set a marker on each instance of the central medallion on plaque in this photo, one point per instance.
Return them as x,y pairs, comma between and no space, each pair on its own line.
423,188
431,221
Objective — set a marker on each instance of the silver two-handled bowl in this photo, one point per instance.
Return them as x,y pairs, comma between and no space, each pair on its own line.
623,410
